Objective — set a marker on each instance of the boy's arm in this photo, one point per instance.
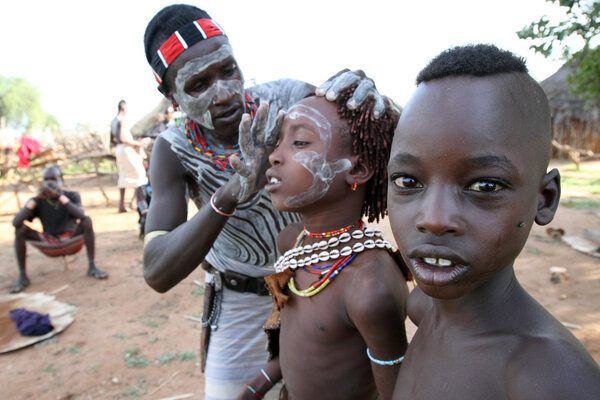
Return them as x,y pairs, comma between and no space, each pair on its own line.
264,380
552,368
376,304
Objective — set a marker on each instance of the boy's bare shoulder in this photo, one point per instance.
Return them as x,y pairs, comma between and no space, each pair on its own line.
377,286
287,236
552,364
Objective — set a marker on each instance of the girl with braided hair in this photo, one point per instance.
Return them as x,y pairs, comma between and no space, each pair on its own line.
340,287
217,157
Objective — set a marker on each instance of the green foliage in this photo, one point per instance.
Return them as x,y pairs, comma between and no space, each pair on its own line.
73,350
582,22
50,368
134,360
581,203
580,184
182,356
20,105
151,323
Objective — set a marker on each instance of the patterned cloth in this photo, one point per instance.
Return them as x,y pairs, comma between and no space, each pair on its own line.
247,245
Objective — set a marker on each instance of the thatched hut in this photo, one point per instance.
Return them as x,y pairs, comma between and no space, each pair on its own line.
575,124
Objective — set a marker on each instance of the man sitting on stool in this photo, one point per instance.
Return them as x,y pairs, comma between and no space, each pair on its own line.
62,217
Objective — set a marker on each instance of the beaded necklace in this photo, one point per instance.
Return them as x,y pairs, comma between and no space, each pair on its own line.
336,232
324,281
218,155
346,255
317,252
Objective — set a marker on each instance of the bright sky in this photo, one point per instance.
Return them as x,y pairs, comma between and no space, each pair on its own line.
84,56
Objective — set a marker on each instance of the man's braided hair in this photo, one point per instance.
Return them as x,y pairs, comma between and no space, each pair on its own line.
371,141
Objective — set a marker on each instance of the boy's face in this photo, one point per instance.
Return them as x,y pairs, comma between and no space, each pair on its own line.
207,83
309,157
463,175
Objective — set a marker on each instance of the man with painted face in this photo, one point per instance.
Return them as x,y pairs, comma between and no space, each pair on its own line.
62,217
234,232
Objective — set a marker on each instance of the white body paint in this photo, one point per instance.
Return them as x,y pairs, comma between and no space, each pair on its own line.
197,107
322,170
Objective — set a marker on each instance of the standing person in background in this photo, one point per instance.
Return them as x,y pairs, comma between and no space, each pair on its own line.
130,164
233,233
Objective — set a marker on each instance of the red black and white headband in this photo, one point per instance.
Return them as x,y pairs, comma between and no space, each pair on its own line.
187,36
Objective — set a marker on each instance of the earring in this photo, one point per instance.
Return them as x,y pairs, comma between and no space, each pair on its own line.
354,186
521,224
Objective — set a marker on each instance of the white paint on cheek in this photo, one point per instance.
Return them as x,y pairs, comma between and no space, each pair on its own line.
323,171
197,108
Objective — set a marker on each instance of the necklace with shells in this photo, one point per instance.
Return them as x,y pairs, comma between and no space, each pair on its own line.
303,256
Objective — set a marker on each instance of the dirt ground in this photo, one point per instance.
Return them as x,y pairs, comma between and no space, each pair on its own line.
128,341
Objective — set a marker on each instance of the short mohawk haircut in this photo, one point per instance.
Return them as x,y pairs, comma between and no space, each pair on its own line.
474,60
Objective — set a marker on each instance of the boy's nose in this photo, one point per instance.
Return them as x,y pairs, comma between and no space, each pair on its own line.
274,157
440,212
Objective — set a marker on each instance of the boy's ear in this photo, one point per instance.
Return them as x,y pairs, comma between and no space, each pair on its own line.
359,173
548,197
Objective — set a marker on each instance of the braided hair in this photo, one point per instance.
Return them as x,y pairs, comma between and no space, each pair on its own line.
371,141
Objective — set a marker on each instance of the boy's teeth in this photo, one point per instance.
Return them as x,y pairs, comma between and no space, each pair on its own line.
442,262
274,180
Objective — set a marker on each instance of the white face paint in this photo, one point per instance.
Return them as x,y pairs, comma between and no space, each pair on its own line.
197,107
323,171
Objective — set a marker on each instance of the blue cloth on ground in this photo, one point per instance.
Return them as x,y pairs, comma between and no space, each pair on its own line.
31,323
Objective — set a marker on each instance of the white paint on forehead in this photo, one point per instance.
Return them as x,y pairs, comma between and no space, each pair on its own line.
323,171
197,107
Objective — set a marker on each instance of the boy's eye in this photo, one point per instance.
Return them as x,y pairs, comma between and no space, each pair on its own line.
486,186
407,182
300,143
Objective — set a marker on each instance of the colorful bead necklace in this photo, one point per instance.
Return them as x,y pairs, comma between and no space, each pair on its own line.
218,155
334,232
300,256
324,281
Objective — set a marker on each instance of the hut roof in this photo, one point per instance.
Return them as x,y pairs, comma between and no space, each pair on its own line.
566,105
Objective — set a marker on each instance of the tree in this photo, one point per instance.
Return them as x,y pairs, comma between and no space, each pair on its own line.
581,25
20,105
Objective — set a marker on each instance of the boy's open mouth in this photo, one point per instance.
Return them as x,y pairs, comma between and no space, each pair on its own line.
437,262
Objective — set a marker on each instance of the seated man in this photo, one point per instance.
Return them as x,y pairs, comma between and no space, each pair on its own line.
62,217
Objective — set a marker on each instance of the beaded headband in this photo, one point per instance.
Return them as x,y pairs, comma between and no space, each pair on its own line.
186,36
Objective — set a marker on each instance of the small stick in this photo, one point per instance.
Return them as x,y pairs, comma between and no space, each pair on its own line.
181,396
164,383
60,289
192,318
570,325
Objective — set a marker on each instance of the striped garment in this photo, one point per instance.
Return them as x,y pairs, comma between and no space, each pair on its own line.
247,245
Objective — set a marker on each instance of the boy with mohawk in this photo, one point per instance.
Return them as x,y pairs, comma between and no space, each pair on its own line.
467,180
